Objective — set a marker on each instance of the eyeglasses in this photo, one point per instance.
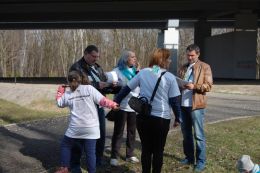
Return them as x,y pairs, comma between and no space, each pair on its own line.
94,56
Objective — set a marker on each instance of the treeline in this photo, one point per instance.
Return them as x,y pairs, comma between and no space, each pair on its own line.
50,53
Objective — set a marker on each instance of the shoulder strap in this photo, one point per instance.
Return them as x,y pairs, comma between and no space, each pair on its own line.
156,86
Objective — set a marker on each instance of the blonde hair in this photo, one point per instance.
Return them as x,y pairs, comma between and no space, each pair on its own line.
159,57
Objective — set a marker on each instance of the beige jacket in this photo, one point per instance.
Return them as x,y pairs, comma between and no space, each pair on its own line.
203,82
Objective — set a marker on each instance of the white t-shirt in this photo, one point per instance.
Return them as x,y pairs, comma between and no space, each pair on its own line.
146,79
122,81
83,122
186,95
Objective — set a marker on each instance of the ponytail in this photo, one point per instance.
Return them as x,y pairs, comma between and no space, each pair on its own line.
74,80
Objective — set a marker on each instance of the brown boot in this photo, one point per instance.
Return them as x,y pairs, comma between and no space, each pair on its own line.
62,170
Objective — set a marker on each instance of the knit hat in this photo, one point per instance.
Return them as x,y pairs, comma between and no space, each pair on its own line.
245,164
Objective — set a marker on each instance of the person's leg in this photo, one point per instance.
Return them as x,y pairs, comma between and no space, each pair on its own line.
90,148
145,135
131,133
160,131
100,145
186,128
199,135
119,125
65,154
76,150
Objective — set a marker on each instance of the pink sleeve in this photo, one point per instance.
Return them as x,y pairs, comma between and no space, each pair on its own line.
105,102
60,92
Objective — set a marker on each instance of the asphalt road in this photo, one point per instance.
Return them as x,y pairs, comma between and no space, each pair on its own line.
34,147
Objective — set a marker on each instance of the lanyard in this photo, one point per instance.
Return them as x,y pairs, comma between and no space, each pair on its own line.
188,72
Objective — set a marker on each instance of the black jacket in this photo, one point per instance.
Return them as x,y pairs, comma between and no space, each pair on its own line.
86,71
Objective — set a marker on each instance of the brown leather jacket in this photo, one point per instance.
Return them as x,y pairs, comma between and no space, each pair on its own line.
203,82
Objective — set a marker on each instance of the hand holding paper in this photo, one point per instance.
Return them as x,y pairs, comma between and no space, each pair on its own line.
181,83
189,86
112,77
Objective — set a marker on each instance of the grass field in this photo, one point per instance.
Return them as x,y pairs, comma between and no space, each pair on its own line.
226,142
14,113
11,112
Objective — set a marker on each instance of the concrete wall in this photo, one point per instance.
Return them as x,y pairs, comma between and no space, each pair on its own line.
232,55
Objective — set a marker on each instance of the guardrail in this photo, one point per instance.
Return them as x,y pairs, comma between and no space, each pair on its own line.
34,80
61,80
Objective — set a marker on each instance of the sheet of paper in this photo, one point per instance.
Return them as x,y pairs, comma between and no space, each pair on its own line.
111,77
181,82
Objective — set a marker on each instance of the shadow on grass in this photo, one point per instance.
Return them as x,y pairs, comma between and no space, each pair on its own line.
172,156
43,150
40,142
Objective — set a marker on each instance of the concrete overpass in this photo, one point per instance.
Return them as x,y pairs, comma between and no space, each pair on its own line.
243,15
34,14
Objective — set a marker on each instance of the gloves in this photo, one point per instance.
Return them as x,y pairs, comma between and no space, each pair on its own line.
105,102
60,92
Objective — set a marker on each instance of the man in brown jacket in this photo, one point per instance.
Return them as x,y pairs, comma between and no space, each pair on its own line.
193,104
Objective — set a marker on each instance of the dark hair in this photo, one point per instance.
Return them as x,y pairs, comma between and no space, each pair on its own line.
74,80
90,48
193,47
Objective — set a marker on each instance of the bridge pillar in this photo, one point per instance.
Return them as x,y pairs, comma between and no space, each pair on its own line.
202,30
160,39
245,45
233,54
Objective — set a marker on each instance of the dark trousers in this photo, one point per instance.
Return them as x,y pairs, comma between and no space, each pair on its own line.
153,132
88,145
119,125
100,147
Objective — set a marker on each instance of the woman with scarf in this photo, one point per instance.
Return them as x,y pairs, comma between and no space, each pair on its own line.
126,69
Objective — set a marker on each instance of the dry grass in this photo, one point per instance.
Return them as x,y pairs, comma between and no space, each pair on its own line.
226,142
14,113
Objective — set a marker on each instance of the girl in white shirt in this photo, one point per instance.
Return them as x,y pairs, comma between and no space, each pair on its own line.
83,129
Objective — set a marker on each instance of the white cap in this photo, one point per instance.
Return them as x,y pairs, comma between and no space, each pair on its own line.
245,164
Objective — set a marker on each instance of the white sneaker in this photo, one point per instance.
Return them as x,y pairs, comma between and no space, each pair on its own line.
113,162
132,159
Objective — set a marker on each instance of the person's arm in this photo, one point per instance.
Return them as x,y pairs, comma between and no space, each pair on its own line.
60,99
99,99
122,94
132,84
105,102
207,81
176,107
102,85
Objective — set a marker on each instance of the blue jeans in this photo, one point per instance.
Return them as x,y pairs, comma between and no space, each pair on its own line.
193,119
88,145
100,144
